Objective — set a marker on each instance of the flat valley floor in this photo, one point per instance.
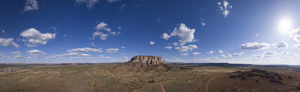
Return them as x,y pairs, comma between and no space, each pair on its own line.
108,78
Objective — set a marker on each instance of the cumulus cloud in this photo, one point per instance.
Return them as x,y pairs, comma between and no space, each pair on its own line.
295,34
8,42
31,5
254,46
112,50
35,37
36,52
168,47
184,54
281,45
89,3
196,53
85,50
186,48
151,42
165,36
184,34
103,31
224,7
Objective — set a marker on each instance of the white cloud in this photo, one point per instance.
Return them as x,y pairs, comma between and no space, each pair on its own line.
18,54
103,35
225,56
113,1
295,34
8,42
123,47
229,55
35,37
101,26
184,54
31,5
104,57
93,44
165,36
112,50
168,47
297,45
196,53
267,54
221,51
3,31
123,6
71,54
184,33
281,45
186,48
285,52
85,50
89,3
210,52
85,55
254,46
174,43
36,52
224,7
238,54
151,42
203,23
120,28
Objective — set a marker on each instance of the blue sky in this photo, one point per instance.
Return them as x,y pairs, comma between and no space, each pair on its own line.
195,31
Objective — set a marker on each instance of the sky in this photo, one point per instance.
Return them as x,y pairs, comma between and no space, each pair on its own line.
190,31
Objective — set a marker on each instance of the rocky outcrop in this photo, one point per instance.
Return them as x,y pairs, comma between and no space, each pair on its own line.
147,61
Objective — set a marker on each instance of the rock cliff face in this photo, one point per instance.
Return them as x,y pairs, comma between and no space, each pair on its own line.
147,60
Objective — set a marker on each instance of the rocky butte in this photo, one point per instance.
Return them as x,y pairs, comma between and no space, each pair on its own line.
147,61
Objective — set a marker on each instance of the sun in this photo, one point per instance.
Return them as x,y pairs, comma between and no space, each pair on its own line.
285,25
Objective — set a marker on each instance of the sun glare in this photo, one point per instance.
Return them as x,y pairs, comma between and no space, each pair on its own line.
285,25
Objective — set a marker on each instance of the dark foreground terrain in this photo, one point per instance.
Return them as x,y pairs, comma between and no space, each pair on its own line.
120,78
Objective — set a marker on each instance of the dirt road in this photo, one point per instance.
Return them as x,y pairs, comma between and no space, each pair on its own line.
208,82
162,87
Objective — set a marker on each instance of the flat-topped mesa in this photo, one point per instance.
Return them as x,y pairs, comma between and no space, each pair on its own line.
147,60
